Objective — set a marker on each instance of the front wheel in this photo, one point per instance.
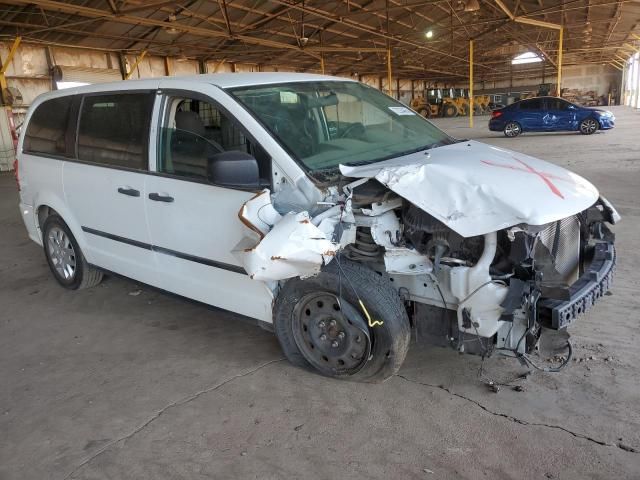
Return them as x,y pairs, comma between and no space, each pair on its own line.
449,111
320,323
512,129
588,126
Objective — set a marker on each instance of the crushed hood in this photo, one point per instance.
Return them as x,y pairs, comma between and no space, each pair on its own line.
475,188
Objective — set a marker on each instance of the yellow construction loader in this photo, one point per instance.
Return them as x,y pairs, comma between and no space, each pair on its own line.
434,104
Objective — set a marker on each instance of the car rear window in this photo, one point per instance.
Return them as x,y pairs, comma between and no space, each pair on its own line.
114,129
46,132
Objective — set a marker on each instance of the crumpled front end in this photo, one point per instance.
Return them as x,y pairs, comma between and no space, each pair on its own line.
476,292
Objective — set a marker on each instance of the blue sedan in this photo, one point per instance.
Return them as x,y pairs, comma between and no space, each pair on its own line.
549,114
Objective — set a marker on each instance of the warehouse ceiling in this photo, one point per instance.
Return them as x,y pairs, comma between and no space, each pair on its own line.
351,36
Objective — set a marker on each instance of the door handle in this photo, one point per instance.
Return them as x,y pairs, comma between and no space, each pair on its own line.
156,197
132,192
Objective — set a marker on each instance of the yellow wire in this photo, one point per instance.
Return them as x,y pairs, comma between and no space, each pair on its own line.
372,323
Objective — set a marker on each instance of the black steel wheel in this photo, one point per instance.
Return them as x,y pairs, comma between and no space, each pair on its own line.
330,334
320,323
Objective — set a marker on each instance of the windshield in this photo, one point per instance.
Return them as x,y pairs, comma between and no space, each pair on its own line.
325,124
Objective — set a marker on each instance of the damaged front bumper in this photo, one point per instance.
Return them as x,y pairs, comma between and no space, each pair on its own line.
594,283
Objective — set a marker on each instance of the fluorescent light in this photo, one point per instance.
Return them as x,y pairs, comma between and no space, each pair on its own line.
527,57
429,34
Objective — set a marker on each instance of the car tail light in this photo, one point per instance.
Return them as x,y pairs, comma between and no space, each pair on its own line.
15,172
496,114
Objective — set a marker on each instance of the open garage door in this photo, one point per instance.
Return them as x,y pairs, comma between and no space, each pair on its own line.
68,76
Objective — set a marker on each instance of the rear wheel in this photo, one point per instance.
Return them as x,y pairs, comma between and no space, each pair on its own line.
588,126
65,259
320,323
512,129
425,112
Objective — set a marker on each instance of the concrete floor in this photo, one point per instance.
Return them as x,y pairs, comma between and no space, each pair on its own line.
103,384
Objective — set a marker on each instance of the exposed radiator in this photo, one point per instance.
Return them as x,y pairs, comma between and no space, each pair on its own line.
564,245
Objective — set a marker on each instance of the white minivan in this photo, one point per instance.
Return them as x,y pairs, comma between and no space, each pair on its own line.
326,210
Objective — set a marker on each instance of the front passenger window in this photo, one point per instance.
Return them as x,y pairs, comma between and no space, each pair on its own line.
195,132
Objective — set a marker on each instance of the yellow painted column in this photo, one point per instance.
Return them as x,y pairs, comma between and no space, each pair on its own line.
322,62
135,65
389,72
470,83
560,62
5,66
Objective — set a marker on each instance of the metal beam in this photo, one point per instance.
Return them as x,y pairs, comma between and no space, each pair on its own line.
470,83
134,20
559,66
135,65
12,52
5,66
528,21
359,26
389,72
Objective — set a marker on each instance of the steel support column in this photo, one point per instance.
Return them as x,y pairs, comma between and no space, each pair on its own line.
5,66
470,83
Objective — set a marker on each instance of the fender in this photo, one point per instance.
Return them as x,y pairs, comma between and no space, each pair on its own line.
53,200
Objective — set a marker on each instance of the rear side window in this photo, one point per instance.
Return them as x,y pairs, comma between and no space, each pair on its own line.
533,104
557,104
47,129
114,129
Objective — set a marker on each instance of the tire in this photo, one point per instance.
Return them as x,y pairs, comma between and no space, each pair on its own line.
425,112
65,259
298,331
589,126
449,111
512,129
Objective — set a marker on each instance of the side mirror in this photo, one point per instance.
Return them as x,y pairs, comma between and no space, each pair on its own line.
233,169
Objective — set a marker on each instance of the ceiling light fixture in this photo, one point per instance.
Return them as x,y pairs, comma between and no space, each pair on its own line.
429,34
471,6
171,30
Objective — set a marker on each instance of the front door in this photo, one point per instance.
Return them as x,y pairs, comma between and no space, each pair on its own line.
105,187
559,115
193,222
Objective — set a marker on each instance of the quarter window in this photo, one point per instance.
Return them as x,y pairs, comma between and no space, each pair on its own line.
47,129
114,129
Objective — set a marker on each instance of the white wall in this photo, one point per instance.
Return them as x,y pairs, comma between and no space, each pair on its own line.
600,78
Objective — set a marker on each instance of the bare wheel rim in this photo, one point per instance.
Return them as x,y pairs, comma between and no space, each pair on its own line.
326,336
61,253
588,126
512,129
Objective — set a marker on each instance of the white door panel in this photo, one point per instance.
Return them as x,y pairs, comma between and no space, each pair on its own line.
113,221
193,237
